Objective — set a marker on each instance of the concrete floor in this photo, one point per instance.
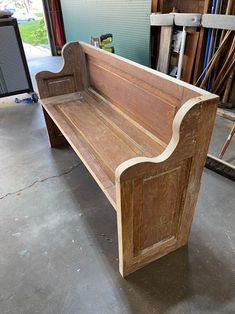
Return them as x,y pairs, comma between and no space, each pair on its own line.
58,248
35,52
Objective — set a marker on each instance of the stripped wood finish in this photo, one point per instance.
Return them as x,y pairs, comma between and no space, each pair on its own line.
142,135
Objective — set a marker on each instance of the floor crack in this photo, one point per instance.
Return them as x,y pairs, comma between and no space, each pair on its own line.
42,180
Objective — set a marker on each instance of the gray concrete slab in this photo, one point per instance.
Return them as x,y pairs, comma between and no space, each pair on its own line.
58,248
35,52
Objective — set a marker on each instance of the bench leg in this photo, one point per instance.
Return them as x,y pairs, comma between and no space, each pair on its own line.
153,219
56,139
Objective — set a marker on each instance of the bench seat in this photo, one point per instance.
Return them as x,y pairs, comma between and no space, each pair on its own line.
101,134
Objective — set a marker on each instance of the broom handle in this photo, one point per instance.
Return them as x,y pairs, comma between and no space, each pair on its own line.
228,140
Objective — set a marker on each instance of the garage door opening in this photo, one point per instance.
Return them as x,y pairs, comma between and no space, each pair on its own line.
40,24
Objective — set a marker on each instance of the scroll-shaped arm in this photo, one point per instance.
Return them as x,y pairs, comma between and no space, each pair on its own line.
71,78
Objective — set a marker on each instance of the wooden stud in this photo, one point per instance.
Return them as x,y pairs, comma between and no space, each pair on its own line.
165,49
189,56
161,6
154,6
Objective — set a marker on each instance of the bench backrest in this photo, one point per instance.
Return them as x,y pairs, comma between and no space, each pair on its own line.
147,96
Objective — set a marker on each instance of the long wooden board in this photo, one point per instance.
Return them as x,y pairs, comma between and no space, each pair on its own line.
189,56
165,48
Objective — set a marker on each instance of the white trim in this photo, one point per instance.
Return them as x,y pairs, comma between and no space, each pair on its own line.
219,21
159,19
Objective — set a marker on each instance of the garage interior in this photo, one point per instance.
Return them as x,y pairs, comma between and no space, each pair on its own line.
59,244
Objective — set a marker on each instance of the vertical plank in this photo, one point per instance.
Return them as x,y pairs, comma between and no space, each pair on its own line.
189,55
201,46
165,48
154,6
161,4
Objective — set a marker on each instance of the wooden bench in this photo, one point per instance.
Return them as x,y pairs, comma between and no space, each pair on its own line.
142,135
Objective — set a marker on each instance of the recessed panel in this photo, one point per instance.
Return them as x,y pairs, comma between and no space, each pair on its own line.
157,201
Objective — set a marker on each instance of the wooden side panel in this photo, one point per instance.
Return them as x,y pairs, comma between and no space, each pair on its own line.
71,78
204,131
151,213
156,199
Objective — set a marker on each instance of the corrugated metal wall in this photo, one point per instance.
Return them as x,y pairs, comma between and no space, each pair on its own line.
127,20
